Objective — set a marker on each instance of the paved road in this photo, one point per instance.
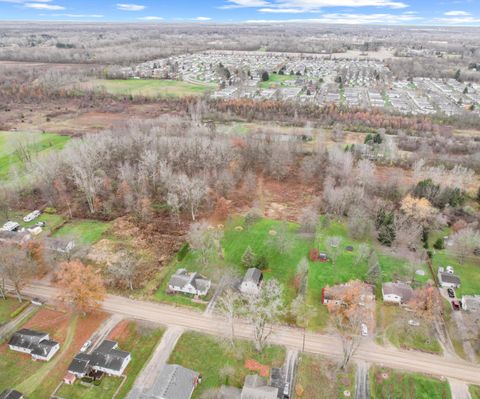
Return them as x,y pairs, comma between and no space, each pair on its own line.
459,389
157,361
362,388
9,328
289,337
103,331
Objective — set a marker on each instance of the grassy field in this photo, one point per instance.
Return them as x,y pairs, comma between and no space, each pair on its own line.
208,355
151,87
406,386
7,306
138,339
315,371
36,143
282,266
85,232
392,324
475,391
276,80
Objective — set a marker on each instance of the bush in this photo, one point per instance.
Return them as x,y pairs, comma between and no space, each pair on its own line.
183,252
313,254
438,244
19,310
50,210
262,262
97,382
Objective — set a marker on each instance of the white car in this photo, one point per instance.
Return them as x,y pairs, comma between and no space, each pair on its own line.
31,216
414,323
364,330
11,226
85,346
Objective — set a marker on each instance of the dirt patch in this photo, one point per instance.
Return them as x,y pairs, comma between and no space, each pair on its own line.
52,321
121,331
261,369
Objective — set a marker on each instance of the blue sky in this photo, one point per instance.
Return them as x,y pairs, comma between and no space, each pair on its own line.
395,12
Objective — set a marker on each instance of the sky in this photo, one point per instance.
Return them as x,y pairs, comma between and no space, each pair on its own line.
393,12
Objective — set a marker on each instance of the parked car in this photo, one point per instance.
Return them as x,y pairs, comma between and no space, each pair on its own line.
286,391
451,293
11,226
414,323
364,330
31,216
85,346
37,302
456,305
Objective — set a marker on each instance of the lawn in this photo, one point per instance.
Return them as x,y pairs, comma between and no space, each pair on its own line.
275,80
406,385
52,221
36,143
7,306
315,371
475,391
152,87
140,339
392,324
282,266
208,355
85,232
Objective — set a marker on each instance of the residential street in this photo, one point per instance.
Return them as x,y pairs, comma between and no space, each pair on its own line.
290,337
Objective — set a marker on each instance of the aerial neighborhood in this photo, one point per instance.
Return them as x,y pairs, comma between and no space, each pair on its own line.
267,209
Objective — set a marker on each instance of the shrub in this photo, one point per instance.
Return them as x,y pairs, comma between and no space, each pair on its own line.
50,210
249,259
262,262
19,310
313,254
183,252
438,244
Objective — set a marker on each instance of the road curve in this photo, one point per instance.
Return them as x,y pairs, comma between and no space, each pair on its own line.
326,345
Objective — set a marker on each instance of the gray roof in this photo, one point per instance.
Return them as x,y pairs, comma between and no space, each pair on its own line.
34,341
174,382
227,392
449,278
10,394
255,387
182,277
403,290
253,275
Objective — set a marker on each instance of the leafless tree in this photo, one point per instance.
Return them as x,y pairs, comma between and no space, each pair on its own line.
464,243
124,270
335,247
230,305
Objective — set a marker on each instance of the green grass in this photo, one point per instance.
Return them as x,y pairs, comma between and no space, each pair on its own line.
475,391
400,385
392,323
7,306
152,87
275,80
37,143
208,355
140,341
85,232
314,372
15,367
283,266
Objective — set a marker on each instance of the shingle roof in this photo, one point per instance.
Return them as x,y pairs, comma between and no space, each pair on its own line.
34,341
402,290
174,382
449,278
253,275
10,394
182,277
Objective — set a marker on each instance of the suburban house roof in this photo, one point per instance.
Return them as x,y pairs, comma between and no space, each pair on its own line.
253,275
174,382
10,394
106,356
182,278
255,387
399,289
36,342
449,278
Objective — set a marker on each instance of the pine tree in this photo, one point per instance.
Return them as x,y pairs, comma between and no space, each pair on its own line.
374,272
248,258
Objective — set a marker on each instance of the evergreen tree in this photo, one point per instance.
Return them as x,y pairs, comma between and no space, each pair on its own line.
248,258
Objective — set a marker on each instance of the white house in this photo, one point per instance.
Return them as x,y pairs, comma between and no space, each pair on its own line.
251,281
447,280
189,283
37,344
471,303
396,293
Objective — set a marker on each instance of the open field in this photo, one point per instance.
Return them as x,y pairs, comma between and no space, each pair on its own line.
150,87
282,266
84,232
276,80
315,371
386,383
208,355
140,340
392,324
34,143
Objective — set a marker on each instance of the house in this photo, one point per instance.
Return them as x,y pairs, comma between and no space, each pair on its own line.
447,280
189,283
255,387
335,294
251,281
471,303
396,293
173,382
35,343
11,394
107,358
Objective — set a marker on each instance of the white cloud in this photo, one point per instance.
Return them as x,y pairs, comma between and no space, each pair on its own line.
43,6
130,7
457,14
299,6
457,21
202,19
350,19
74,15
151,18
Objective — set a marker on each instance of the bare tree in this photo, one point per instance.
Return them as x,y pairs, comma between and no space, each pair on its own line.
230,305
363,252
335,247
205,239
124,270
464,243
